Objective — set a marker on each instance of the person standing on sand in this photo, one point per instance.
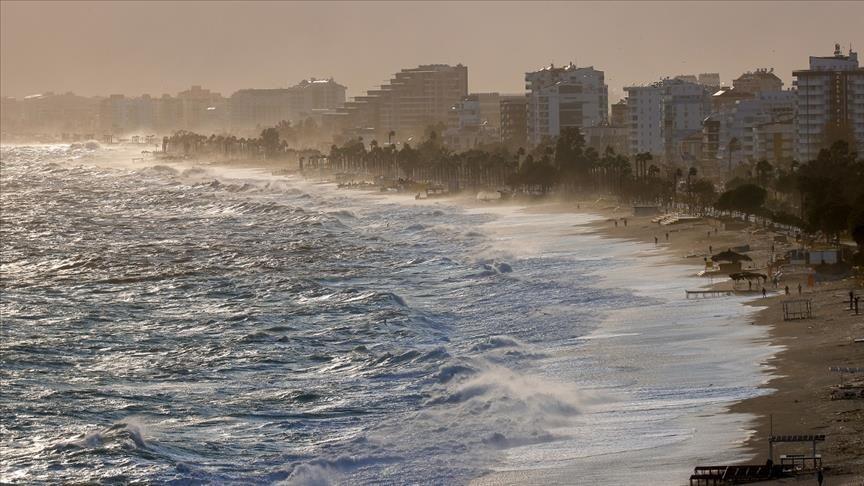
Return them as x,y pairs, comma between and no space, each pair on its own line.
787,290
799,289
655,241
667,236
710,250
750,285
764,293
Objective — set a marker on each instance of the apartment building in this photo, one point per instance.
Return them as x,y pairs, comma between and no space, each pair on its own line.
564,97
830,103
413,100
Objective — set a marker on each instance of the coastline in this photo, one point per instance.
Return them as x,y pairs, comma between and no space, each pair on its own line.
685,241
796,378
798,382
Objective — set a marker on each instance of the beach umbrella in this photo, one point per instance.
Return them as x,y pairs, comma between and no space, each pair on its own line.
730,256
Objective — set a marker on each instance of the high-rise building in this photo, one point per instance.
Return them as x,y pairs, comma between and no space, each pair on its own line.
475,120
757,81
664,114
313,95
564,97
256,108
742,122
830,102
514,121
49,113
252,109
412,101
202,109
620,114
709,80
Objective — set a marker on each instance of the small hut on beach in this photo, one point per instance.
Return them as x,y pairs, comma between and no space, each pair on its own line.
730,261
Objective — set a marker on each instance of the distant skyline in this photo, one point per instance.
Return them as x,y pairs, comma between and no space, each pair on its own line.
100,48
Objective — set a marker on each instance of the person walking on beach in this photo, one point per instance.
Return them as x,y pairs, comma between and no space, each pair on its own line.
799,289
655,241
750,285
710,250
667,236
764,293
787,290
851,298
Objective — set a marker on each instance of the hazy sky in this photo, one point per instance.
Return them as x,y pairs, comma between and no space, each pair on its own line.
124,47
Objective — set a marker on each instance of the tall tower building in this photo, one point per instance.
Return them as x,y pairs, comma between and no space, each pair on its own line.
830,104
564,97
665,113
413,100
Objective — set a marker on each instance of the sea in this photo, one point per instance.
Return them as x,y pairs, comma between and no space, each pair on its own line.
186,323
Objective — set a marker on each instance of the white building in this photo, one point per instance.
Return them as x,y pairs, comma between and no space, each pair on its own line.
564,97
830,103
769,112
475,120
665,113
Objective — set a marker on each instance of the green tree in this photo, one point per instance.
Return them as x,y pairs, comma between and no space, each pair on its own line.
270,142
746,198
764,169
733,146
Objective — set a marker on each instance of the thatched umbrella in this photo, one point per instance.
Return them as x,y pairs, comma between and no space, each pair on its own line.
730,256
748,276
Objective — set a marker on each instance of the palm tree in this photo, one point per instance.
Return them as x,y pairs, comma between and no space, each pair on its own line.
641,160
690,175
763,171
732,146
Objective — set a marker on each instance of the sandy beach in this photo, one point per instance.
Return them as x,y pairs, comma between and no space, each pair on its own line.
798,383
798,393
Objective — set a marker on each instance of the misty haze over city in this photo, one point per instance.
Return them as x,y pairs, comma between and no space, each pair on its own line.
483,243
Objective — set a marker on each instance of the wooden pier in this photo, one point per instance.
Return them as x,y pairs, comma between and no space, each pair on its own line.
707,293
711,475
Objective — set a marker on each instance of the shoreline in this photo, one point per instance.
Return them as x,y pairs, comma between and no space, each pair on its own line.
792,366
796,398
798,382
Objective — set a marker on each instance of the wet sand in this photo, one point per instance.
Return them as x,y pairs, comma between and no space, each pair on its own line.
798,382
798,393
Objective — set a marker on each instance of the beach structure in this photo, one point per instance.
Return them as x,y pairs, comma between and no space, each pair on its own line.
749,277
707,293
730,261
847,391
796,463
790,464
797,309
716,475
